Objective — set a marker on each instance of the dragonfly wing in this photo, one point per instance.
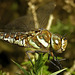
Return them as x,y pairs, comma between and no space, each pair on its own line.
26,23
43,13
23,24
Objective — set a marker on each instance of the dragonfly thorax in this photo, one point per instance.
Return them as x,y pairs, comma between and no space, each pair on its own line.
40,40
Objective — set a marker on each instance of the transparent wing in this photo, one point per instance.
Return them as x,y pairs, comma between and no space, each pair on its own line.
26,23
44,12
23,24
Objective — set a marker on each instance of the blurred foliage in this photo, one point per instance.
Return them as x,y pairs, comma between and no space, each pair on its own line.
2,73
39,67
63,23
63,28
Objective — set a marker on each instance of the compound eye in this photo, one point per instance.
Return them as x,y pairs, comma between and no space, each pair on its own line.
56,42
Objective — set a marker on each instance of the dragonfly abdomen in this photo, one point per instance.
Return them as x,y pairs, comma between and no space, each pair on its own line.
13,38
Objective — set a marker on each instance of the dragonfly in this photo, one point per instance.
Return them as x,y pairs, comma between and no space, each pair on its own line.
35,40
40,41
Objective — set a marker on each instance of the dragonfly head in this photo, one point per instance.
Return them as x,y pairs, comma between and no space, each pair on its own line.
58,43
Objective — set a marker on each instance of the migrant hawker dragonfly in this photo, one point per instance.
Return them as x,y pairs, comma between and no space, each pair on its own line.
37,41
40,40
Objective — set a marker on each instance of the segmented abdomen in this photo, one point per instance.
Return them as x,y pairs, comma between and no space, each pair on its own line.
15,38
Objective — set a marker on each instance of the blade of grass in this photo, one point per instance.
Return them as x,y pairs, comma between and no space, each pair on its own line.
25,72
57,72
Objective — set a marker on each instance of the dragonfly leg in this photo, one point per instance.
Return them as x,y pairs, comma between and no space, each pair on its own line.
54,64
49,54
52,61
29,57
55,59
37,51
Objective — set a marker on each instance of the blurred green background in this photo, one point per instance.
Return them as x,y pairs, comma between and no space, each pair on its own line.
63,24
